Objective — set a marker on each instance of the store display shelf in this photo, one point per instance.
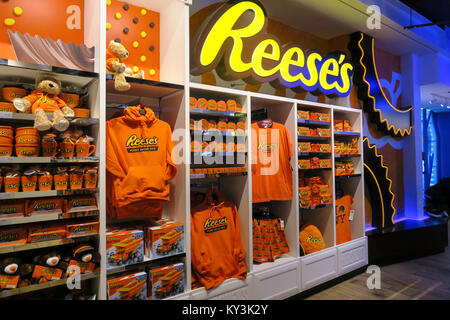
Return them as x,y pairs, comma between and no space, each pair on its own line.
317,207
45,244
206,112
309,154
314,122
39,194
144,88
347,133
28,117
314,169
217,154
346,155
49,159
285,259
46,68
312,138
146,263
212,133
46,217
217,175
46,285
349,175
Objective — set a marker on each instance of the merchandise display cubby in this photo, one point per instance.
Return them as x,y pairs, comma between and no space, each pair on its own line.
198,170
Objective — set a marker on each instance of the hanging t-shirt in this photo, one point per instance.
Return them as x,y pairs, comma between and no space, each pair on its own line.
271,168
343,207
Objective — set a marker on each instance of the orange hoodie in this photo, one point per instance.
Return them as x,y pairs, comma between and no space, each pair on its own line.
138,156
217,252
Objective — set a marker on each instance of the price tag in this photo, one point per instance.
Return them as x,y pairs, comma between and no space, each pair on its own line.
352,213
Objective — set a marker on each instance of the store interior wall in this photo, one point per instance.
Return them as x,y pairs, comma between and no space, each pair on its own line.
442,125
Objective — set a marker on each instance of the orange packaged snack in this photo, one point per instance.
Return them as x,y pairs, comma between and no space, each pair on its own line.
238,107
49,145
304,147
324,163
221,105
12,182
323,132
338,125
202,103
82,229
45,180
81,203
240,125
43,274
75,177
29,181
212,125
44,206
303,131
192,102
325,147
13,236
304,192
313,132
304,164
61,178
72,100
347,126
6,135
90,177
12,209
314,162
82,113
37,234
303,115
304,203
324,117
212,104
231,105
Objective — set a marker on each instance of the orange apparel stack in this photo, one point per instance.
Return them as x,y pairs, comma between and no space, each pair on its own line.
138,163
271,175
217,251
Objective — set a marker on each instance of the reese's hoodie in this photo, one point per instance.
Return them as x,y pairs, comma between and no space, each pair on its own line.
138,155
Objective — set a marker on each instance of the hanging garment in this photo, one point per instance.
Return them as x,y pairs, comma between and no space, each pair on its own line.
140,164
343,207
271,172
217,253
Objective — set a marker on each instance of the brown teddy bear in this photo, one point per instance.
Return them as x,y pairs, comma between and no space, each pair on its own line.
45,99
115,54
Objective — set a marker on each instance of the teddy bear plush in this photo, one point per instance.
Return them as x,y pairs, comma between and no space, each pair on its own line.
15,267
44,99
115,54
85,257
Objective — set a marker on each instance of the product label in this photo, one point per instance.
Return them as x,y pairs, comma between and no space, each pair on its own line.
213,225
135,144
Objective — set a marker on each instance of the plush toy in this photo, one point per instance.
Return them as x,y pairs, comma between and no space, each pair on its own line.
48,266
14,267
115,53
85,257
45,99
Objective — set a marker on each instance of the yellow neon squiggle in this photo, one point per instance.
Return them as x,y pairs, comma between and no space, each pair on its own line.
379,191
387,171
406,131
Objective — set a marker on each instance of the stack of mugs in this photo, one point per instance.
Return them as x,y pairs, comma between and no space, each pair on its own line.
27,142
6,141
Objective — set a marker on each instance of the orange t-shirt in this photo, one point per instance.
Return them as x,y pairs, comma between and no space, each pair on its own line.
138,155
343,207
271,168
217,252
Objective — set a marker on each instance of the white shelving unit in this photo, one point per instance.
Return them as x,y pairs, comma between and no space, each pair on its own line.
286,276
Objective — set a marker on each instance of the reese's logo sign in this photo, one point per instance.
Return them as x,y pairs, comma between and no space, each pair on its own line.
135,144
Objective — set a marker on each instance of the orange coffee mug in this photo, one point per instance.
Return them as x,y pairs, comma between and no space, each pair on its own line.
45,182
6,134
76,181
61,181
11,93
84,149
12,184
7,107
6,150
90,180
49,148
29,183
67,149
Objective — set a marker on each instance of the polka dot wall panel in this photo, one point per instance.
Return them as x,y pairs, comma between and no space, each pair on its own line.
138,30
